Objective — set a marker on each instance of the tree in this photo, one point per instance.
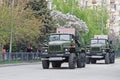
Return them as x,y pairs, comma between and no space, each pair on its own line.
91,17
16,2
25,26
43,13
68,20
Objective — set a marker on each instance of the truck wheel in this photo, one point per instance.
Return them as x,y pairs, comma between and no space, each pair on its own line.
107,58
112,59
88,60
81,60
56,64
45,64
84,59
72,61
93,61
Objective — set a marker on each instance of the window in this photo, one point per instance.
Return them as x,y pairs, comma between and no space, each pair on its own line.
98,41
61,37
94,41
54,37
65,37
101,41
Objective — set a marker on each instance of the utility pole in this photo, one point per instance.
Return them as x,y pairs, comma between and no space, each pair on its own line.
11,31
102,23
73,3
49,4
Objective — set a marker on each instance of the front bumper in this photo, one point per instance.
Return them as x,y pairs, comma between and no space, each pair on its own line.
55,56
95,55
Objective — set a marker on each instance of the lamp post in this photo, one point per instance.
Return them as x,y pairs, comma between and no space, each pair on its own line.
73,2
11,31
49,4
94,2
102,17
112,1
86,3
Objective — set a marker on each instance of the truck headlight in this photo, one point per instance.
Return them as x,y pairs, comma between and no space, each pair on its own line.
88,50
103,51
45,52
66,50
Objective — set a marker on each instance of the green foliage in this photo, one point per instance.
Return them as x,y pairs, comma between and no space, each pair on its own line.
93,18
23,23
32,23
43,13
29,20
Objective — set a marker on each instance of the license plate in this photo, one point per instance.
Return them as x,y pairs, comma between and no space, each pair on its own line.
99,54
96,56
56,58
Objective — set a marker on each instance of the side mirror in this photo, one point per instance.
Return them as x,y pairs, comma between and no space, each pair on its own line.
45,43
76,38
87,46
110,42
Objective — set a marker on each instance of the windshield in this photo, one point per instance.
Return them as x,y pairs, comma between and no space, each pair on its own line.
56,37
101,41
93,41
98,41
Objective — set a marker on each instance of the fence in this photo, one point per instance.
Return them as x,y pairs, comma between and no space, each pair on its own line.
117,54
16,57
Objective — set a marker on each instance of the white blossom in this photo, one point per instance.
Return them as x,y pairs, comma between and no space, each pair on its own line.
68,20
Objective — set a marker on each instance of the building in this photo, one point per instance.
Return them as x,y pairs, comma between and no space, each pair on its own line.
114,13
113,7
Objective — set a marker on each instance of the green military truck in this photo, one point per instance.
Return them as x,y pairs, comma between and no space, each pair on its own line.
100,48
64,46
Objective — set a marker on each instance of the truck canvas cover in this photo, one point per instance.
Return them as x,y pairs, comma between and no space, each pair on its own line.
66,30
100,36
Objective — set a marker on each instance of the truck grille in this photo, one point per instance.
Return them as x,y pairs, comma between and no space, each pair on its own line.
95,49
54,48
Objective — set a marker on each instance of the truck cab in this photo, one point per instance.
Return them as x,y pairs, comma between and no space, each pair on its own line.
99,49
63,47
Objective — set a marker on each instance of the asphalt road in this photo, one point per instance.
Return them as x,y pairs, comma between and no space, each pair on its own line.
99,71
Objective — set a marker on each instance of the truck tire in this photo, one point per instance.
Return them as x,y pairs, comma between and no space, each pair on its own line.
112,59
81,60
84,60
72,61
56,64
45,64
87,60
93,61
107,58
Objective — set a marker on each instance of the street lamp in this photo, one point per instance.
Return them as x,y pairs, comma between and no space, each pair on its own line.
11,36
73,6
49,4
102,24
83,4
94,2
112,1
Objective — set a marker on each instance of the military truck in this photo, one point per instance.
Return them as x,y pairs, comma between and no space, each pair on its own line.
100,48
64,46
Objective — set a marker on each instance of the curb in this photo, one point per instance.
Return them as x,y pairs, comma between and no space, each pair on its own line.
19,64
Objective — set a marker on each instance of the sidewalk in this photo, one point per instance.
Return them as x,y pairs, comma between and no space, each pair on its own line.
18,64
